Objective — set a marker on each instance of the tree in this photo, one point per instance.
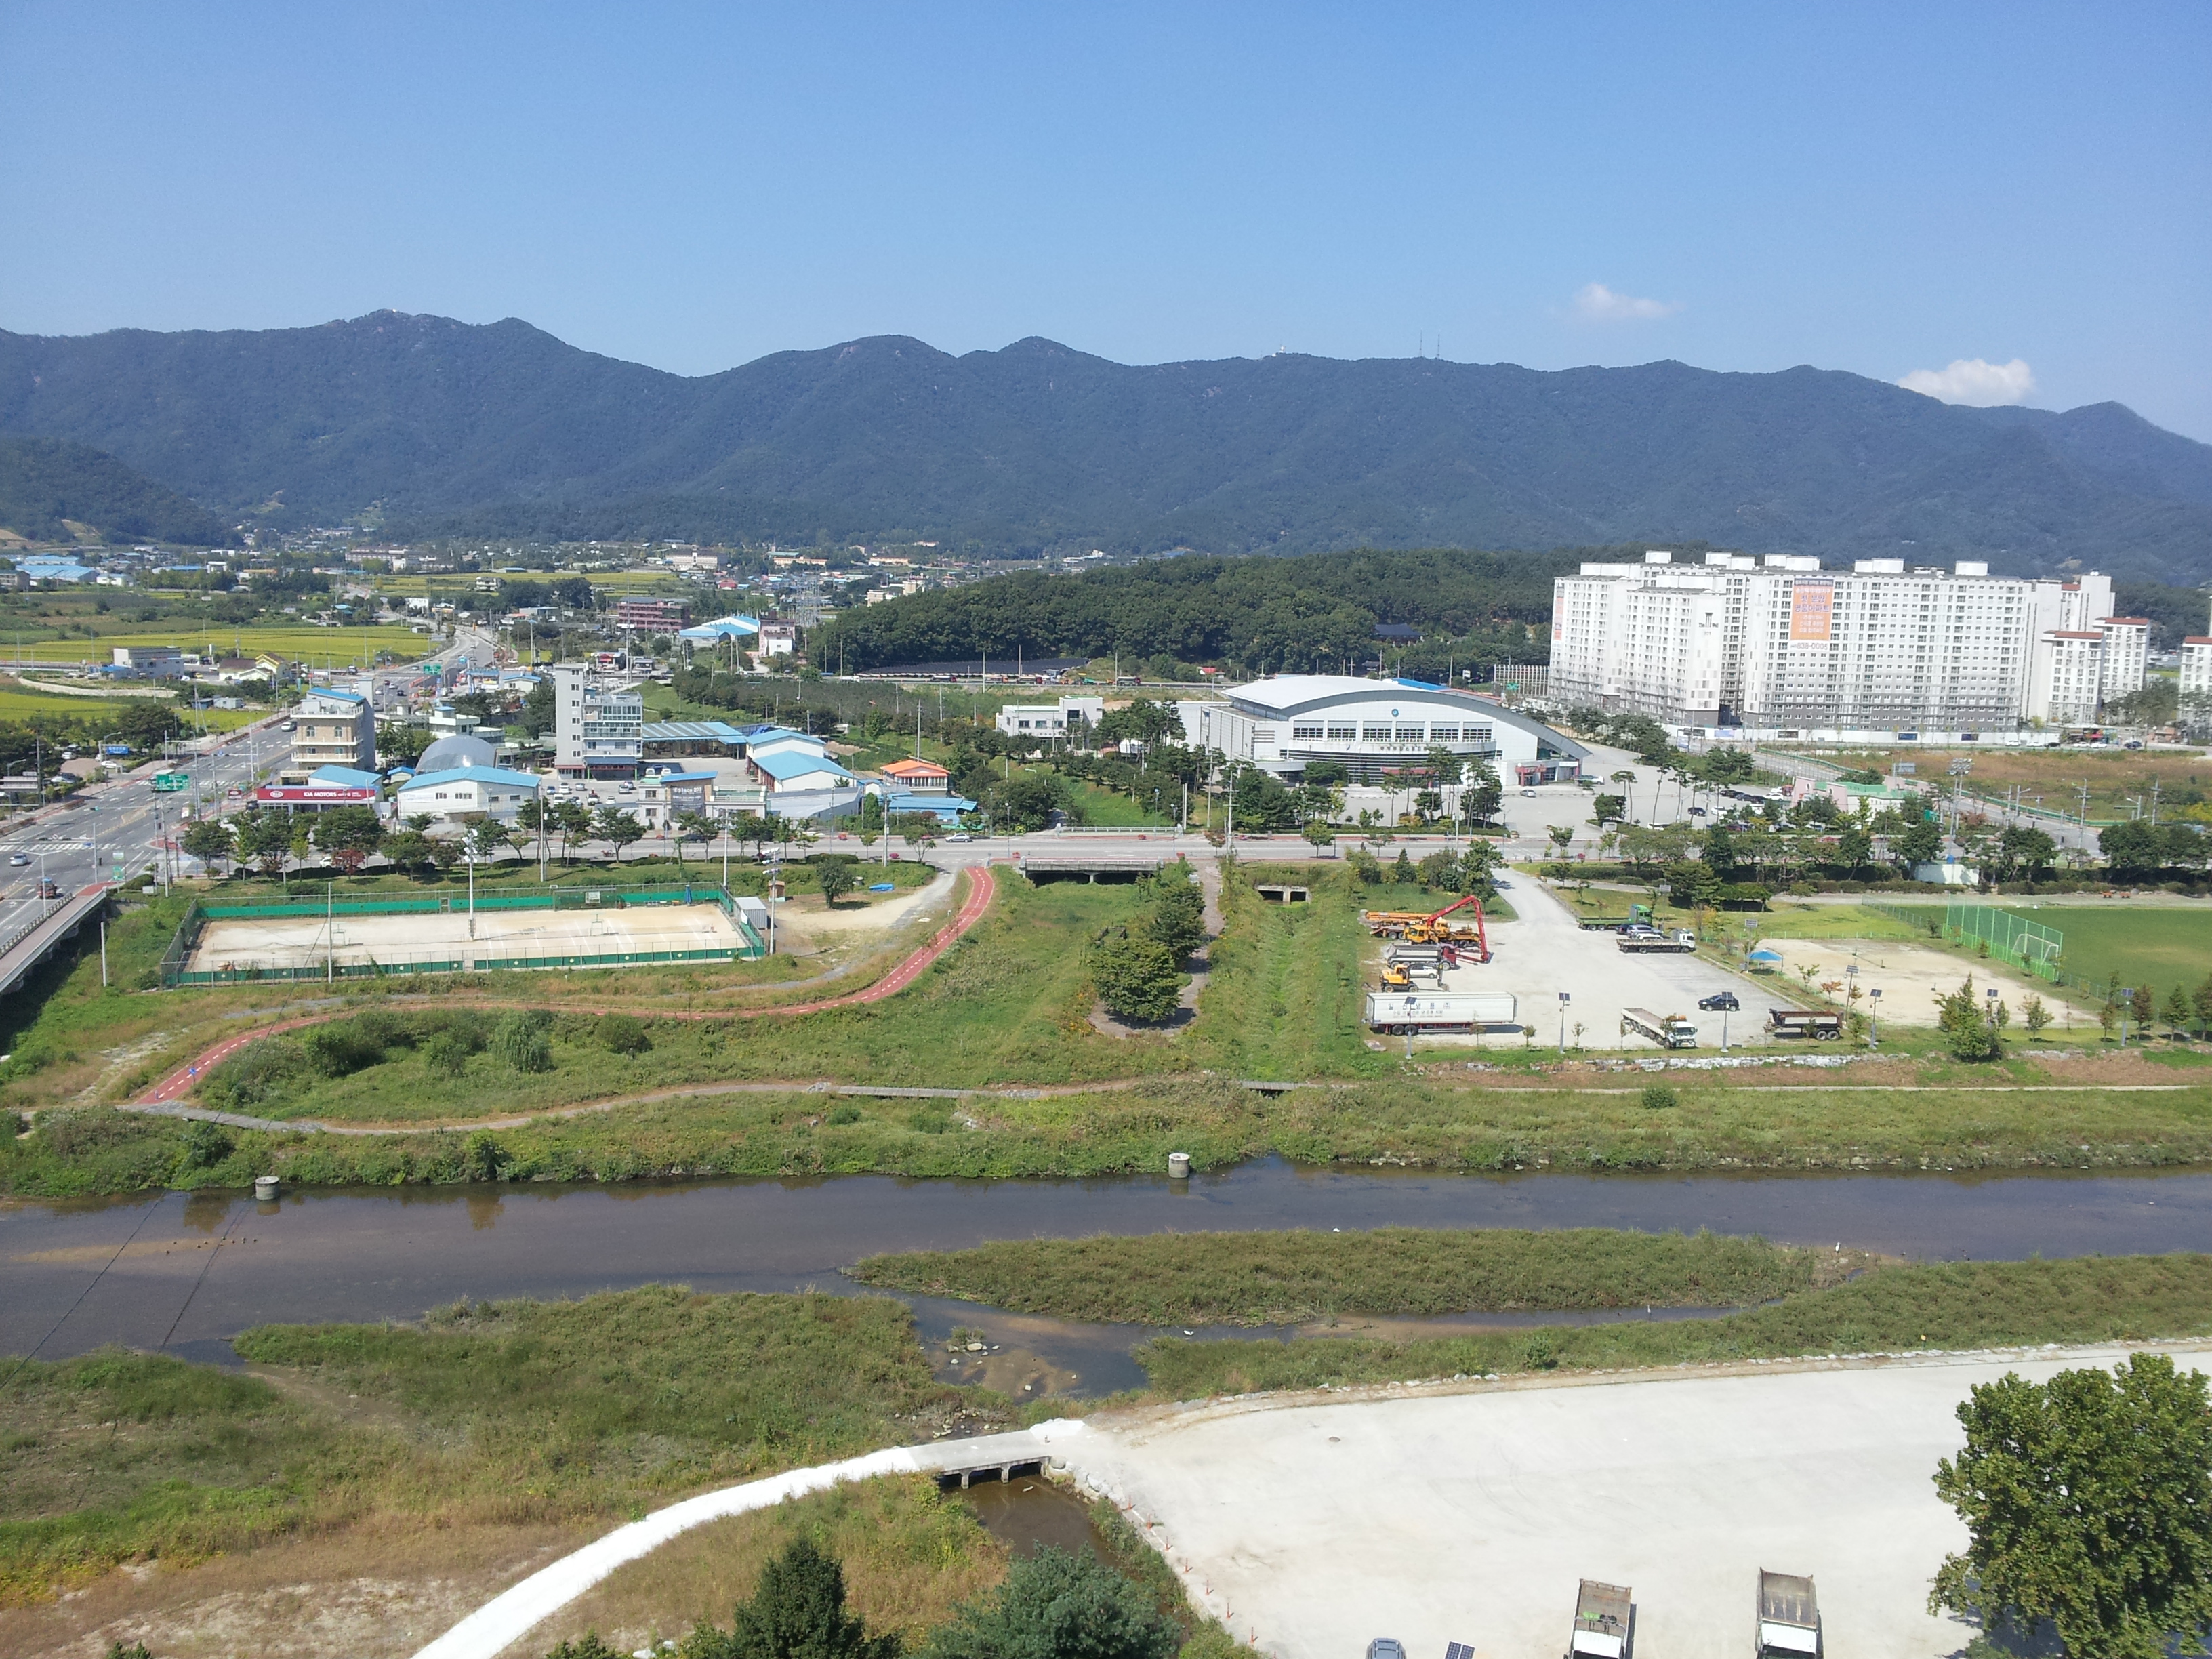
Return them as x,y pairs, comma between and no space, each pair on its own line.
622,1034
1966,1030
1854,849
697,827
2027,849
1920,844
2087,1500
486,838
208,839
1177,917
2035,1014
573,820
349,835
1058,1605
797,1612
445,853
836,878
1480,795
1562,835
264,837
401,745
1136,977
1692,884
1319,833
1608,809
1401,871
521,1041
2176,1011
615,824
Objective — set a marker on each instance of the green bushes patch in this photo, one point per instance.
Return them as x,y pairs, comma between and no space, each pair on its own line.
1962,1304
1290,1278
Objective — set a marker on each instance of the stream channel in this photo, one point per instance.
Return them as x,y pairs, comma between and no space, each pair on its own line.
184,1274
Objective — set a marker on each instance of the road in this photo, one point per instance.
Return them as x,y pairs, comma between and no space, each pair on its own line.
120,826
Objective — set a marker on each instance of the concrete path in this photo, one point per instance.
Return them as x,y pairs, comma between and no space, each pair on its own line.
510,1615
1468,1513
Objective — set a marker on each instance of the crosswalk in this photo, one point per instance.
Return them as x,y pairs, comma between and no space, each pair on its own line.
55,848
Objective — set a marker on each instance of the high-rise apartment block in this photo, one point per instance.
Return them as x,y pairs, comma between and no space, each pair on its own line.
1777,643
599,730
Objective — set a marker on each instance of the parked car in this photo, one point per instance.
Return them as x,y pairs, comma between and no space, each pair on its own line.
1719,1001
960,834
1696,811
1386,1647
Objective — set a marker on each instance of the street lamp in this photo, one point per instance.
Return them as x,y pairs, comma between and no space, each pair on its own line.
1411,1003
1874,1018
1563,1000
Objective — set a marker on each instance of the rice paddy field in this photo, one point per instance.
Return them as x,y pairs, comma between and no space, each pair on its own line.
302,643
17,704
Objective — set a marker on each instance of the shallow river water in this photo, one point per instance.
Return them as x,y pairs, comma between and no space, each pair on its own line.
185,1274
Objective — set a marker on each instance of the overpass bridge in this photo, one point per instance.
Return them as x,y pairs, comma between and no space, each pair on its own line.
32,943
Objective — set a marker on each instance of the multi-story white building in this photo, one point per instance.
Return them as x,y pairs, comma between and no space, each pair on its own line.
599,730
1779,644
1374,729
2068,677
330,728
1047,720
2197,666
2126,655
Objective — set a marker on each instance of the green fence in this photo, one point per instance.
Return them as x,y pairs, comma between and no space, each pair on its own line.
2027,945
174,973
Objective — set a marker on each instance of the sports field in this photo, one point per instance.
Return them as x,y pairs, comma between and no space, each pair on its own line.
275,944
2160,948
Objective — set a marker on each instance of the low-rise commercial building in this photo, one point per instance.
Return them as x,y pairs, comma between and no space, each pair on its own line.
467,792
1049,720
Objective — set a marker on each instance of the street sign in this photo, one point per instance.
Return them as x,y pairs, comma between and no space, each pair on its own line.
169,782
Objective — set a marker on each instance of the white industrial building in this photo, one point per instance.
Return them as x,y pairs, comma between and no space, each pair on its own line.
1374,729
599,729
1050,720
1777,645
467,792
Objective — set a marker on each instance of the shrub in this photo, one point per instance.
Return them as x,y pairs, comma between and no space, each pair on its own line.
623,1034
847,1113
797,1613
1658,1098
481,1159
1137,978
1058,1603
205,1145
447,1053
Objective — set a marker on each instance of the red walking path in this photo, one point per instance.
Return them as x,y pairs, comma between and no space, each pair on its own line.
981,887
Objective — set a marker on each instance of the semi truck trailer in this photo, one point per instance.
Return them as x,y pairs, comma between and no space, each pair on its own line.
1668,1030
1401,1011
1788,1617
1651,938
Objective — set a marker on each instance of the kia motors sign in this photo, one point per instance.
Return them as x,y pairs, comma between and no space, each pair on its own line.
312,795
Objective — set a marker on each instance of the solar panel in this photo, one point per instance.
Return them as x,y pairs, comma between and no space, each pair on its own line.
1458,1651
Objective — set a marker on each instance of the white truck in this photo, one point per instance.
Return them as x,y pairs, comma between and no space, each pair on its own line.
1788,1617
1668,1030
1652,938
1602,1616
1401,1011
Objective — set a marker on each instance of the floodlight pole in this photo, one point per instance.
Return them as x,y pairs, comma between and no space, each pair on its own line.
1563,1000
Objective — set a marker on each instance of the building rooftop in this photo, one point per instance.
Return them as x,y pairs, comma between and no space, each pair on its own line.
350,777
781,766
474,775
697,731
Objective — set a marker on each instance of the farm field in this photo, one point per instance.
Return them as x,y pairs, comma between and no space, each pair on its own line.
303,641
2053,778
26,706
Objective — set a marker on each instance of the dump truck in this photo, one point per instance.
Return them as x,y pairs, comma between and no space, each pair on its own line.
1789,1616
1804,1023
1602,1613
1651,938
1668,1030
1401,1011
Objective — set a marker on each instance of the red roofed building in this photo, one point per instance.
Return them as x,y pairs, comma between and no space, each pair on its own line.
918,777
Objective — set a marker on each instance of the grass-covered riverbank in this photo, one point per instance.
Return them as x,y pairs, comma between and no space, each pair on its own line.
518,1413
1966,1304
1291,1278
1417,1123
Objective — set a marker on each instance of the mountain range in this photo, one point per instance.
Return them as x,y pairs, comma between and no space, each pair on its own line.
433,426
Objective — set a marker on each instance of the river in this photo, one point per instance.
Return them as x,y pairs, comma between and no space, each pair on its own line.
184,1274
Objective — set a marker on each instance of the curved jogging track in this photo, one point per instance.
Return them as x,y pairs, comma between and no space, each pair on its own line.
981,889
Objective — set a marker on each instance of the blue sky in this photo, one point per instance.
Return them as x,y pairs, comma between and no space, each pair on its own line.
1884,189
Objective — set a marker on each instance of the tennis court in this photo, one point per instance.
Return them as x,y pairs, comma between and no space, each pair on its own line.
281,946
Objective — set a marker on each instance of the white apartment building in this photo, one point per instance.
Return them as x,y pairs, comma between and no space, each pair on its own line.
330,728
2126,655
2068,679
599,730
1374,729
2197,666
1777,644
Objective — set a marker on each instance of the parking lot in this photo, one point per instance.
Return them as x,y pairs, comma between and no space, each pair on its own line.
1542,953
1470,1516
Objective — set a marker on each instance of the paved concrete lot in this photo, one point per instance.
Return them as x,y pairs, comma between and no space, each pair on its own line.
1541,952
291,941
1907,975
1470,1517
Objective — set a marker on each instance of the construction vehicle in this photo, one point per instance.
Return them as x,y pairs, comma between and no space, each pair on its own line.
1431,927
1403,1011
1402,976
1601,1615
1804,1023
1668,1030
1788,1617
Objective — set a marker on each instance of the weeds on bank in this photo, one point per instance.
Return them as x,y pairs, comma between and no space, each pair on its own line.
1946,1305
1292,1277
514,1412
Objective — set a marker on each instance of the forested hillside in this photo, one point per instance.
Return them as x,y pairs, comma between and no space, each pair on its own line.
503,429
44,481
1311,614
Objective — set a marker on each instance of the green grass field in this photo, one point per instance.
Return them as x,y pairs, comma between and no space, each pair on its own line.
2154,947
1784,920
16,704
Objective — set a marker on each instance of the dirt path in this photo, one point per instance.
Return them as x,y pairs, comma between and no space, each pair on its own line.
982,887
